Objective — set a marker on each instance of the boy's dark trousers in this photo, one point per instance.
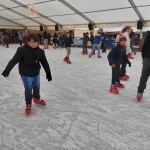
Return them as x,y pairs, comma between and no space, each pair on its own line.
115,75
145,75
123,68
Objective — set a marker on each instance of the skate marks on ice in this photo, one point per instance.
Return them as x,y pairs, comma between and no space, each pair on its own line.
80,114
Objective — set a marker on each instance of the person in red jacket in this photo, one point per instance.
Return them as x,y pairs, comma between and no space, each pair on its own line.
6,39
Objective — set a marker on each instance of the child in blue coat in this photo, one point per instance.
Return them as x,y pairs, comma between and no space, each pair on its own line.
96,44
115,57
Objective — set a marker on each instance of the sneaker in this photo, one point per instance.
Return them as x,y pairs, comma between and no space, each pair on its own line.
139,97
123,78
134,53
89,56
38,101
119,85
28,109
113,89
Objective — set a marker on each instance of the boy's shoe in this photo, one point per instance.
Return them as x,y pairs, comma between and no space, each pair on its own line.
123,78
86,53
28,109
38,101
127,76
7,46
135,53
90,56
139,97
113,89
119,85
99,56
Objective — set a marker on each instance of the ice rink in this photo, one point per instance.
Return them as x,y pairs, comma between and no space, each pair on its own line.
80,113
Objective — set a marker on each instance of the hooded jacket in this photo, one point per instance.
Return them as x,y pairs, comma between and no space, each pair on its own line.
116,55
97,39
29,60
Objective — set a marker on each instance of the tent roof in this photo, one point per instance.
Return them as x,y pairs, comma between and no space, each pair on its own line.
74,12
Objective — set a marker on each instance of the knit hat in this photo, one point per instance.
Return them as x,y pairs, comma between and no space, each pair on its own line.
122,38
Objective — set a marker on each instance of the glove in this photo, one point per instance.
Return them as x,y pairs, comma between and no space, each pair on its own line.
5,73
49,77
129,64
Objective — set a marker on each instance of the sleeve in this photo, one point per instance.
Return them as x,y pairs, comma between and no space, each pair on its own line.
45,64
111,56
16,59
126,58
128,49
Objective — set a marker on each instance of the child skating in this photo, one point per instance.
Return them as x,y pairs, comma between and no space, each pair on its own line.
68,43
96,44
115,57
29,57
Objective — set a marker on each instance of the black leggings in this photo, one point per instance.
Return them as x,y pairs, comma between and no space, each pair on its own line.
115,75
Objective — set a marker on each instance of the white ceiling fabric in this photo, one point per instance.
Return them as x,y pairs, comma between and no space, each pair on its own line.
55,12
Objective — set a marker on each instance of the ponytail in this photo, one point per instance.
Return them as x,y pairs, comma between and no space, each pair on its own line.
125,29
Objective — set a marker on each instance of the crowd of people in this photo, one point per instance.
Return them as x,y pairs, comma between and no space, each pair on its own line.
31,55
7,37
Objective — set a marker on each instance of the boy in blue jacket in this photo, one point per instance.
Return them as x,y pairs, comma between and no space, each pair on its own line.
115,57
96,44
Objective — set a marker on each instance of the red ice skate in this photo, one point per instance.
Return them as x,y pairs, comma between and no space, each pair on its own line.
89,56
93,53
123,78
114,90
38,101
127,76
139,99
99,56
7,46
65,58
119,85
84,53
28,109
135,53
130,57
68,61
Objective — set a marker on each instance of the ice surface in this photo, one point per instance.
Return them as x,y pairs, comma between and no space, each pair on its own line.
80,114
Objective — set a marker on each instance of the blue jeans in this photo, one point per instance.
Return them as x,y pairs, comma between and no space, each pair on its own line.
132,48
29,84
93,49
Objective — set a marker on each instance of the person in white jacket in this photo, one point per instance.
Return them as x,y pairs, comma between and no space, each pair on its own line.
126,31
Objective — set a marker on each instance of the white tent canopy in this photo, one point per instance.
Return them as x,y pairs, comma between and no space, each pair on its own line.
75,12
